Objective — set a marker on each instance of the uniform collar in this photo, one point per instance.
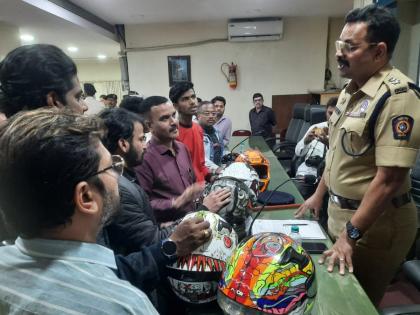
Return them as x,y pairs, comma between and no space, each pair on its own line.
372,86
67,250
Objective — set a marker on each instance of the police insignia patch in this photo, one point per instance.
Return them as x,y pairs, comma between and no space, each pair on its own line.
402,126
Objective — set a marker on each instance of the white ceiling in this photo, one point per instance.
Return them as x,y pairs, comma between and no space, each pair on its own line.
48,28
159,11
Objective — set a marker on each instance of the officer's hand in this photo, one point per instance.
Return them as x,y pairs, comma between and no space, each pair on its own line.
340,254
313,204
217,199
191,193
190,234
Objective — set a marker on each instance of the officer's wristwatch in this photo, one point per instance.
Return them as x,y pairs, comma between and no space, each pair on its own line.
169,248
353,233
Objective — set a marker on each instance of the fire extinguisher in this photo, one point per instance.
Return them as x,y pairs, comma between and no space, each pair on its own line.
231,77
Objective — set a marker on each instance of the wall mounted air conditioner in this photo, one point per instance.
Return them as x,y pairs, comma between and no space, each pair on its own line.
245,30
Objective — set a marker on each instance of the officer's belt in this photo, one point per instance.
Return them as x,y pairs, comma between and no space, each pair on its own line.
352,204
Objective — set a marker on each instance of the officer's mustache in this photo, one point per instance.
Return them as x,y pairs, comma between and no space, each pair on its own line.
342,61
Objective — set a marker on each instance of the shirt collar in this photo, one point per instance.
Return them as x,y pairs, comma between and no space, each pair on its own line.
160,148
372,86
67,250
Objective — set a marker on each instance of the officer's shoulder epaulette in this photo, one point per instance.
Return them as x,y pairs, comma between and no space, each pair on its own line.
396,82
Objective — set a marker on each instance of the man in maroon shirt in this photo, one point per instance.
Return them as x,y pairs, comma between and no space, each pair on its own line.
166,173
183,97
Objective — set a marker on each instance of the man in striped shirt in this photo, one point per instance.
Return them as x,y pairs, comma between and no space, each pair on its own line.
59,186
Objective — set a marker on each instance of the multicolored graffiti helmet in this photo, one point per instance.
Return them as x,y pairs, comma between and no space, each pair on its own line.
268,274
194,277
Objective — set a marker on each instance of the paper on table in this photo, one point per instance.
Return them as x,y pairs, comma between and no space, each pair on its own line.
307,229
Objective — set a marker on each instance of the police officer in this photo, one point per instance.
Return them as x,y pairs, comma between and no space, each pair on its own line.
374,137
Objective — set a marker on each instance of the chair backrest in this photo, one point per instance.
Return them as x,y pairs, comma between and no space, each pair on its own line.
296,122
241,133
314,114
317,113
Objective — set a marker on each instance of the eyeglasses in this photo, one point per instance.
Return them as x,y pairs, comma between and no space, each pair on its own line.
346,48
117,165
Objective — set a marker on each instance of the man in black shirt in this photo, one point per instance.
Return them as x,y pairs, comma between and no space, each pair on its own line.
262,120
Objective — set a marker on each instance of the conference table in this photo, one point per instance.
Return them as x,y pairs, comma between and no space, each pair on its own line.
336,294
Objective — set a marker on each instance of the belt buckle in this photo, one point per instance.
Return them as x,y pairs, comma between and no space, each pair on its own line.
335,199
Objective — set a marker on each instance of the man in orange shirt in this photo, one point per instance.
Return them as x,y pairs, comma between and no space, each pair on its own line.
183,97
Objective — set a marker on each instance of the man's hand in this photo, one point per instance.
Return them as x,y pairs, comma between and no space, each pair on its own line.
341,253
190,234
191,193
217,199
313,204
311,136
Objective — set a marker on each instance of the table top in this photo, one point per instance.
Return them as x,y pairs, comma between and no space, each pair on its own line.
336,294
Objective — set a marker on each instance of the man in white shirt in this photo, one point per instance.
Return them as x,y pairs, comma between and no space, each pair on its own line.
313,147
94,106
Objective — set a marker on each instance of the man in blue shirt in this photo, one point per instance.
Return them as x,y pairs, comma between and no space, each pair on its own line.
59,187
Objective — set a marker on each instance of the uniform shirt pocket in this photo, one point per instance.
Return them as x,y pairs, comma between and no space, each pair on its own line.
354,135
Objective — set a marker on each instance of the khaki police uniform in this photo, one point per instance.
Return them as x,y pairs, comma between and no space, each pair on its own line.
351,165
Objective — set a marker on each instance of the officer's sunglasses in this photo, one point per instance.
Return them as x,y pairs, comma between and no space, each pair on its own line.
346,48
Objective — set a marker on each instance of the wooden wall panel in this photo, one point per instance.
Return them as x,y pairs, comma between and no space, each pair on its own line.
283,107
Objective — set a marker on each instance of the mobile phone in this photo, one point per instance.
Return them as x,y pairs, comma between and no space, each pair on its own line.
314,247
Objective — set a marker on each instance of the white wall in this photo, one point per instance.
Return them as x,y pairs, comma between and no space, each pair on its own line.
91,70
336,26
413,61
292,65
105,75
9,35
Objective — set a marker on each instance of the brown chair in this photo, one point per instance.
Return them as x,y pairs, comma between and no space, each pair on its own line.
241,133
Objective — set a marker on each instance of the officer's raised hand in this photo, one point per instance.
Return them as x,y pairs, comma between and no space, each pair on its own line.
340,254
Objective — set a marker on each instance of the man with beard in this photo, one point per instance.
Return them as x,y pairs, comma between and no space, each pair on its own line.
223,124
374,135
184,99
135,225
59,186
213,143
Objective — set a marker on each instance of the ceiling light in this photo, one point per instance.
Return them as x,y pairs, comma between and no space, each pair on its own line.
101,56
72,49
26,38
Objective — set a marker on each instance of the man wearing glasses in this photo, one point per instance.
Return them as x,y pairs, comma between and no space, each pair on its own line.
262,120
59,187
374,138
213,142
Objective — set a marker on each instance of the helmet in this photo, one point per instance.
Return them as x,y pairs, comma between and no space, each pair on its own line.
243,182
268,273
260,163
194,277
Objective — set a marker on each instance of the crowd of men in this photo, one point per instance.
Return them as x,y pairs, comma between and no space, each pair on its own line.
96,205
